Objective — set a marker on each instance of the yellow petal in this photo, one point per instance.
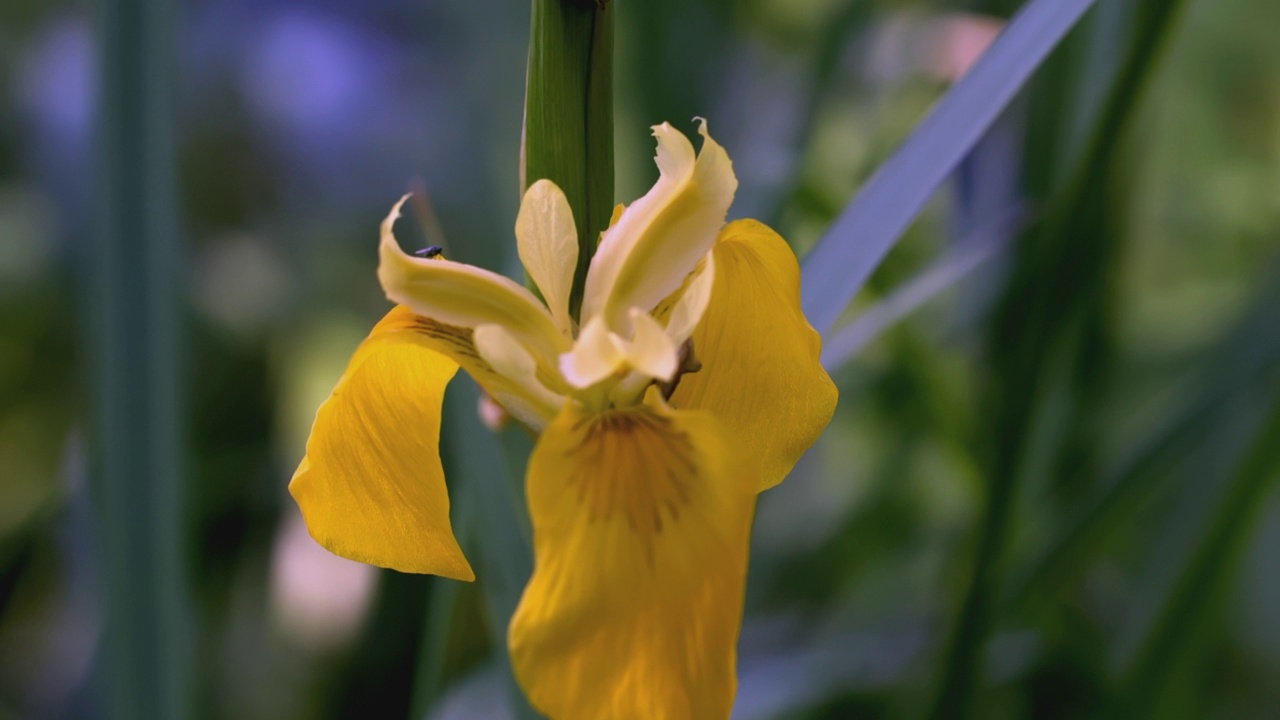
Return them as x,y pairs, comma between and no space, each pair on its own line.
760,372
659,238
371,487
548,244
465,296
640,528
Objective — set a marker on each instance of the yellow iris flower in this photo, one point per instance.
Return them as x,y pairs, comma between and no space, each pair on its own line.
691,384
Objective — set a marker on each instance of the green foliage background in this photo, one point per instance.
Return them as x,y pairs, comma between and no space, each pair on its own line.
1049,493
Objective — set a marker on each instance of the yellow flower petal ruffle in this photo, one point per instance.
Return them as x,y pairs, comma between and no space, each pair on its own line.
655,242
640,526
760,371
371,487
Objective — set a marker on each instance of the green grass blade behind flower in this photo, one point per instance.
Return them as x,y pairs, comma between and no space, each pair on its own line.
1055,314
1246,358
493,513
568,124
858,240
1196,598
824,73
135,306
429,678
433,653
965,258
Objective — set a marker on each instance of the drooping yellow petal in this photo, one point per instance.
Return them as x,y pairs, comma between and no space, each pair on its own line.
659,238
465,296
641,521
548,245
760,372
371,487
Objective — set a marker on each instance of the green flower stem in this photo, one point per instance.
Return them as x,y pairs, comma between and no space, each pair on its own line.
135,271
568,124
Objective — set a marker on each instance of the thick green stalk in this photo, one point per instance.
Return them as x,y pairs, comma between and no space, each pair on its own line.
568,124
135,309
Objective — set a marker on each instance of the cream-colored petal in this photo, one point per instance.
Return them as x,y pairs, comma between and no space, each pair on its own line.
659,238
641,519
650,350
692,301
465,296
371,487
760,370
498,347
548,244
596,355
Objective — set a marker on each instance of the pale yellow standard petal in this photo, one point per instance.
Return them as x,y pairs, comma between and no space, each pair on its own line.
659,238
640,528
596,355
651,351
760,371
371,487
548,245
600,353
691,301
465,296
498,347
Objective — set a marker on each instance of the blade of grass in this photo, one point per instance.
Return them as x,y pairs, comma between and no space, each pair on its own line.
135,307
499,546
429,679
963,259
1247,356
1200,589
429,676
1054,305
824,72
858,240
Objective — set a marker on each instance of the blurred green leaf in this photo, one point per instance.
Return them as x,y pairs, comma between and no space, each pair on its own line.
862,235
1247,357
1052,323
136,310
497,542
944,273
1192,603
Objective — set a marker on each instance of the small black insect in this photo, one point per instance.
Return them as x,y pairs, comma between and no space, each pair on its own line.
429,252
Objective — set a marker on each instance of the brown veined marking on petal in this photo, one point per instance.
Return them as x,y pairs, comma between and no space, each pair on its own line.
458,344
459,339
651,462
